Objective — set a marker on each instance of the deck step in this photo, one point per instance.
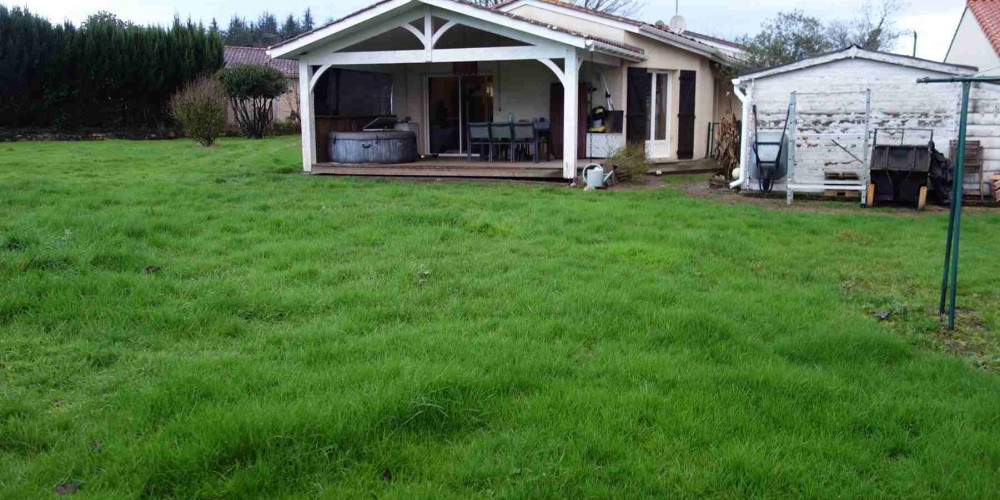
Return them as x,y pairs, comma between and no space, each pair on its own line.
439,171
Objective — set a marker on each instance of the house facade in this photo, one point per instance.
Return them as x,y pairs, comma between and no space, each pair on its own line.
438,65
976,41
286,107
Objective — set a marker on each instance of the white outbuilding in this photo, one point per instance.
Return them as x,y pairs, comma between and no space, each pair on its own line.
828,111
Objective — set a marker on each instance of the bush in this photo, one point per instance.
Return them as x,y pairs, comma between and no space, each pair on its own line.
252,90
631,163
200,108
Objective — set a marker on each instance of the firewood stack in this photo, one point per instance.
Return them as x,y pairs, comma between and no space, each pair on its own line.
727,140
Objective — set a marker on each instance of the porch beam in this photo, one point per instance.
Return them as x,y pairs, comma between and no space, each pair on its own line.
571,96
497,29
441,31
317,36
555,69
438,55
469,14
306,116
428,33
400,21
417,33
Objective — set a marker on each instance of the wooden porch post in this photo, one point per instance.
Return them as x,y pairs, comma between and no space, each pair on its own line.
571,97
306,116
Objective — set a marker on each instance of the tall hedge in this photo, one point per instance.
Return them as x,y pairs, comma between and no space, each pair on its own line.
105,73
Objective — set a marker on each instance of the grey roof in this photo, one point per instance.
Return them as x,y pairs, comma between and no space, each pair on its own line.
258,56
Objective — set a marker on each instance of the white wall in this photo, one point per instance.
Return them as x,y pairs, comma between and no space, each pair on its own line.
984,125
971,47
897,102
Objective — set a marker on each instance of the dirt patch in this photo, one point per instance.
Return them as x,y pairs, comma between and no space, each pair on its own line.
970,339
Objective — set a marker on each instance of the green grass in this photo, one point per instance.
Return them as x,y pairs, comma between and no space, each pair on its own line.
302,334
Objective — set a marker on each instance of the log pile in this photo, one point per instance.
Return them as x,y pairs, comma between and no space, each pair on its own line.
727,141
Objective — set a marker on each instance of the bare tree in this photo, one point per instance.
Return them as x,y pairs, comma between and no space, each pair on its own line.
624,8
872,28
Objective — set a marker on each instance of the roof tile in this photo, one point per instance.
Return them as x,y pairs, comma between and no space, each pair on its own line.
987,12
258,56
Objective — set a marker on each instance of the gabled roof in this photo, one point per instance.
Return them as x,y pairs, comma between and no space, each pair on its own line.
855,52
258,56
637,25
694,42
581,40
987,13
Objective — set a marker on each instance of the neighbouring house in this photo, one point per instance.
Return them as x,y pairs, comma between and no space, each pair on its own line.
286,107
976,41
831,100
439,65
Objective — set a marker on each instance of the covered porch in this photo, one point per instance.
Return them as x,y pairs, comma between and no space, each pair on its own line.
435,66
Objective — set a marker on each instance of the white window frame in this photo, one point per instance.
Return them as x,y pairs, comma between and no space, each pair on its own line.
659,148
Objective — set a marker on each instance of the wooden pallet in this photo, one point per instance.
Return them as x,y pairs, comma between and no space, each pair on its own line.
836,175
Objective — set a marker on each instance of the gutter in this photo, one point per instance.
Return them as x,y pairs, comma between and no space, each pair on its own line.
606,48
744,133
694,46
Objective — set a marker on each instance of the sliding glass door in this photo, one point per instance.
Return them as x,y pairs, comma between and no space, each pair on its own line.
453,102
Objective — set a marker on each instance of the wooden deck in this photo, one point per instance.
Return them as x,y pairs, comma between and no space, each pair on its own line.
460,168
448,167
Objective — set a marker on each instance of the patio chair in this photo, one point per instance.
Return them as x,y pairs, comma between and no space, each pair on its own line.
503,136
524,139
479,135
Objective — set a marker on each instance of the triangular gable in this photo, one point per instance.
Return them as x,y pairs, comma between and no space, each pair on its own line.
508,24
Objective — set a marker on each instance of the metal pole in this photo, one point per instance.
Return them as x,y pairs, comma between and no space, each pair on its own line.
790,175
947,247
959,180
866,164
914,43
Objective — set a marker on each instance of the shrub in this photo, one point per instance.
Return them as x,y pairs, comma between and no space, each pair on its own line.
631,162
200,108
252,90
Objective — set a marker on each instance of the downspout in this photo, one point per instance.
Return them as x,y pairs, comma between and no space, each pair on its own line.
744,133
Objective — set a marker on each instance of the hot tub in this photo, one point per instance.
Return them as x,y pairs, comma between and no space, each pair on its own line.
382,146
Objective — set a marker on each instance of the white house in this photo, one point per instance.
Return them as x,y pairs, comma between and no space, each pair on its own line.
831,94
976,41
442,64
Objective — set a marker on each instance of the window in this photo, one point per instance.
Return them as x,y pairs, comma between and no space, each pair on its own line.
345,92
660,123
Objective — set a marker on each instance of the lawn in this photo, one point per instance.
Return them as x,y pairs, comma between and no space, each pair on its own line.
300,336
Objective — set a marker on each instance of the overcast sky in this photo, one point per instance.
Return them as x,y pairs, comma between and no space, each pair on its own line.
934,20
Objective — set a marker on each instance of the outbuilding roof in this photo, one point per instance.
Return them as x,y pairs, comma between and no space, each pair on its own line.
855,52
